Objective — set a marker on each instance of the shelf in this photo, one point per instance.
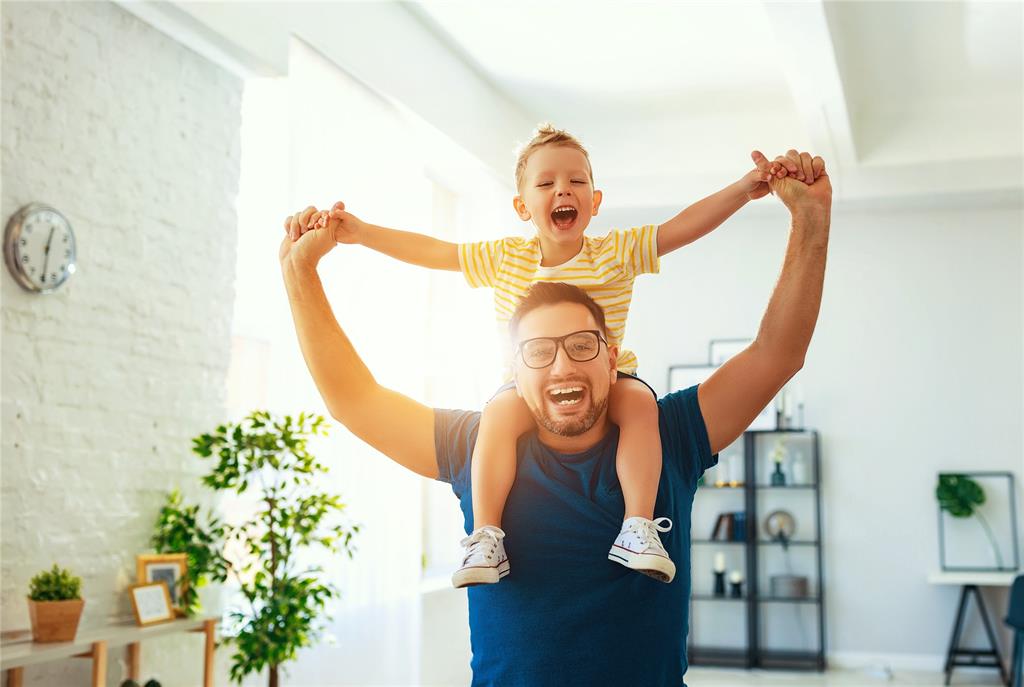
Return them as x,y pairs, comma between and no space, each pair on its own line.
712,487
769,542
794,430
716,541
789,600
712,597
712,656
786,486
796,660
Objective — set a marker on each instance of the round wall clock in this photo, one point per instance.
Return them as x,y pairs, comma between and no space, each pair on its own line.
39,247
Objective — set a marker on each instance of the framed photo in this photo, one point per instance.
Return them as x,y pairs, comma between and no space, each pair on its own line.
684,376
164,567
151,603
977,522
720,350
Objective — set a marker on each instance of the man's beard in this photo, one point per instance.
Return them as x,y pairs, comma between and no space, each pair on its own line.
571,427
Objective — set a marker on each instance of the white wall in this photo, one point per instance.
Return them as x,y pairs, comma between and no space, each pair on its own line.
915,367
136,140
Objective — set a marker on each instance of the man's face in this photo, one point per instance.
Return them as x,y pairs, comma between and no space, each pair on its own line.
557,177
583,408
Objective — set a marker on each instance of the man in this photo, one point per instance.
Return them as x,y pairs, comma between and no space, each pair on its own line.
555,621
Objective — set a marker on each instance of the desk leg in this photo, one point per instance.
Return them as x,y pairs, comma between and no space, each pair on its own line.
209,630
958,626
15,677
134,658
991,636
99,664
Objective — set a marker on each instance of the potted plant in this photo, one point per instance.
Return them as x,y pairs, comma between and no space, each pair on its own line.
55,605
263,457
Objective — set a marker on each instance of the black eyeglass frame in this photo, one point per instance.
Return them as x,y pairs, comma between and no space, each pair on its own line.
560,341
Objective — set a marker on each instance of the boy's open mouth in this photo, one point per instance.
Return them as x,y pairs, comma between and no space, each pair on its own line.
564,216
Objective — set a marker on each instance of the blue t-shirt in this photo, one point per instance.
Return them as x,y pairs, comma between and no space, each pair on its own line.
565,614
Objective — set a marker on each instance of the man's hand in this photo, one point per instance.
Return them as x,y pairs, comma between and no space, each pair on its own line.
312,244
799,180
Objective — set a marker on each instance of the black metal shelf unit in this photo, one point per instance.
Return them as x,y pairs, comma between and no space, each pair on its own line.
755,653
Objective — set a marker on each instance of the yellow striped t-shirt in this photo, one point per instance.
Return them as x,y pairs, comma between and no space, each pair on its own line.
605,268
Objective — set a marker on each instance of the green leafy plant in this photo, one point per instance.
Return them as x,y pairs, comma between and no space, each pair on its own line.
962,497
56,584
265,457
181,529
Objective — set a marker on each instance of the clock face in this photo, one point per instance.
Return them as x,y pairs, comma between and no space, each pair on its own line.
40,248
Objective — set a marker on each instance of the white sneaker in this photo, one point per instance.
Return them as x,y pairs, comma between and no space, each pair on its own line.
485,561
638,546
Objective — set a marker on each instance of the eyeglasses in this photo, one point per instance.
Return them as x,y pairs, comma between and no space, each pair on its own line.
580,346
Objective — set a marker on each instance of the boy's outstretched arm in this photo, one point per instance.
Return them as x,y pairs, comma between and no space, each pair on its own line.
407,246
705,215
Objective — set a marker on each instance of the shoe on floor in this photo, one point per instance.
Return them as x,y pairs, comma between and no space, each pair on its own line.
484,561
638,546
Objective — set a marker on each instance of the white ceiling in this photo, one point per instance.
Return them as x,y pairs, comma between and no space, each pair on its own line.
903,99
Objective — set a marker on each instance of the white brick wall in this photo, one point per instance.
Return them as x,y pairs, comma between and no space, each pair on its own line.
136,140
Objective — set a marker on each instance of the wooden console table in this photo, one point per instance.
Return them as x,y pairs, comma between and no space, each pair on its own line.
18,651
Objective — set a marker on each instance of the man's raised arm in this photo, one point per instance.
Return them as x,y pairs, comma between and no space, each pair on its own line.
734,395
395,425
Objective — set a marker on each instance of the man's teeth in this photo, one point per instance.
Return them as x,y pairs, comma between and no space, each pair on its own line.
565,391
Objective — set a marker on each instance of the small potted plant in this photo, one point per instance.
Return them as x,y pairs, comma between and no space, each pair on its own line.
55,605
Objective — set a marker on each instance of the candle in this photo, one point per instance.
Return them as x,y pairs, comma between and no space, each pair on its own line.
719,562
736,577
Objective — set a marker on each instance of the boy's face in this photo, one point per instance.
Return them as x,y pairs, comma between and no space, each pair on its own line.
557,177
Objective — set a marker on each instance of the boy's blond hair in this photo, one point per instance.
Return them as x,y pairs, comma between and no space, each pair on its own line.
547,134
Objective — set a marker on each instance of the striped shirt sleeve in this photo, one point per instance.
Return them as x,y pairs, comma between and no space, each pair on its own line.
481,262
635,250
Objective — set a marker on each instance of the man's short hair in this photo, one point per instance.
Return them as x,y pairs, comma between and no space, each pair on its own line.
551,293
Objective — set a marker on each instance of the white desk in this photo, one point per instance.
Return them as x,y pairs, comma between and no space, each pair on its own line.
969,582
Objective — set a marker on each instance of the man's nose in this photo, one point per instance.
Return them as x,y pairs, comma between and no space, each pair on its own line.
563,363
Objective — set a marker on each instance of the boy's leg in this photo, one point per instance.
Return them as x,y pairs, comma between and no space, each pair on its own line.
634,409
493,469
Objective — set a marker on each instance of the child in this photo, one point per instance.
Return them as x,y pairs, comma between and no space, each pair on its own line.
555,185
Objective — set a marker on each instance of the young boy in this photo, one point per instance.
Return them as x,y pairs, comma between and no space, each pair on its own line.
555,190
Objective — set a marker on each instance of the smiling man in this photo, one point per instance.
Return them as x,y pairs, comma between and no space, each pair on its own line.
567,615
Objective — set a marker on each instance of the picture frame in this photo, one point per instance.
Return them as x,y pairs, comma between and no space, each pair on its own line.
965,545
720,350
684,376
151,603
171,568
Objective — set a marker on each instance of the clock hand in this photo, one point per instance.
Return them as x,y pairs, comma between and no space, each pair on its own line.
47,252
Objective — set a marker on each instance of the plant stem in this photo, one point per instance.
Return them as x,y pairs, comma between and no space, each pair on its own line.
991,538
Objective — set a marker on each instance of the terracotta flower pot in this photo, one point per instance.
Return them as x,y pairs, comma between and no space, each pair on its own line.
55,621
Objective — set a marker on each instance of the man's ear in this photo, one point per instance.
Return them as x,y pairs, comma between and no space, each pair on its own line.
598,197
520,208
515,380
613,358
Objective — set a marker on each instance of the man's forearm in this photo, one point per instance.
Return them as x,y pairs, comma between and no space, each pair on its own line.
700,218
410,247
339,373
792,312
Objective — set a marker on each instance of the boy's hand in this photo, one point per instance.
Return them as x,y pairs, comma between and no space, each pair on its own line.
343,226
755,182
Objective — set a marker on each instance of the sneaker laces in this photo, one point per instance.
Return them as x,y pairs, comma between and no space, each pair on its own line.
481,538
648,530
